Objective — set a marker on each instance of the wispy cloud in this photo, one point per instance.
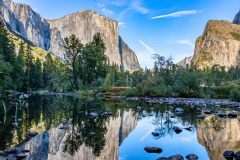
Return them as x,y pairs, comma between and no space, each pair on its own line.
122,24
177,14
138,6
185,42
147,47
106,11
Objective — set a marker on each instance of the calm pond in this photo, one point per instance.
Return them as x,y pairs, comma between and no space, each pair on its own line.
106,129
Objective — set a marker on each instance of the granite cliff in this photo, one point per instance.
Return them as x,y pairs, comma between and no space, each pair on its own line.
49,34
219,45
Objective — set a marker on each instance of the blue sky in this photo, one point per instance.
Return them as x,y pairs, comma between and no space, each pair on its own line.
166,27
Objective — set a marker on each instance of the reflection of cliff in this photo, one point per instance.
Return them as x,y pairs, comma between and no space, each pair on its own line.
49,145
117,127
218,135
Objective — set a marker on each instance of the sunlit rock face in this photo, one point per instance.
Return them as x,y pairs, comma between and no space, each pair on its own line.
218,135
50,35
22,19
219,45
84,25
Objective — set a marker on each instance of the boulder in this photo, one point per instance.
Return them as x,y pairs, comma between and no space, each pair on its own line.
207,112
162,158
192,157
188,128
153,149
179,110
21,156
232,115
237,155
176,157
177,130
155,134
228,155
221,115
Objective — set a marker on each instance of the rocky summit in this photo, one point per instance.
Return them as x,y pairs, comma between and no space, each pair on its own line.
218,46
50,34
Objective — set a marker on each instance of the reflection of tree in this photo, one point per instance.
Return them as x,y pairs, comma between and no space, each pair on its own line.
83,125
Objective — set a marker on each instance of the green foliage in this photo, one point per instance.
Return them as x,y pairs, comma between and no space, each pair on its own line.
235,95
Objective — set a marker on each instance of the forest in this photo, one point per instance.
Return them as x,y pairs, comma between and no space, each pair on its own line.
86,67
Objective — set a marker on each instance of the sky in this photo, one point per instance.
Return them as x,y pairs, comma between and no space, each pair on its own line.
165,27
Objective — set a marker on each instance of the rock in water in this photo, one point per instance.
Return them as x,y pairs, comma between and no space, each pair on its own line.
162,158
176,157
237,155
232,115
155,134
153,149
192,157
21,156
177,130
228,155
179,110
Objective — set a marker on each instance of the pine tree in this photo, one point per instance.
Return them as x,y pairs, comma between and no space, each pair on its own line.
28,66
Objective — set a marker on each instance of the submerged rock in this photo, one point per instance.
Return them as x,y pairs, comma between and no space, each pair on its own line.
177,130
155,134
153,149
228,155
192,157
176,157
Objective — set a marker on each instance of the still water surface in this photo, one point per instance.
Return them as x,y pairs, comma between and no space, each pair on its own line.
103,129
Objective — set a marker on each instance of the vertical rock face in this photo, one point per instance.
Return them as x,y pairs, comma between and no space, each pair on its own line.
50,35
237,18
219,45
218,135
128,57
22,19
84,25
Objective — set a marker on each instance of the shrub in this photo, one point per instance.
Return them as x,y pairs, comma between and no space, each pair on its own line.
235,95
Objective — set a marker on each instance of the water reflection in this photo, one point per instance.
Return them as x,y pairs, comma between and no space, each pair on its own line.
94,129
219,135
